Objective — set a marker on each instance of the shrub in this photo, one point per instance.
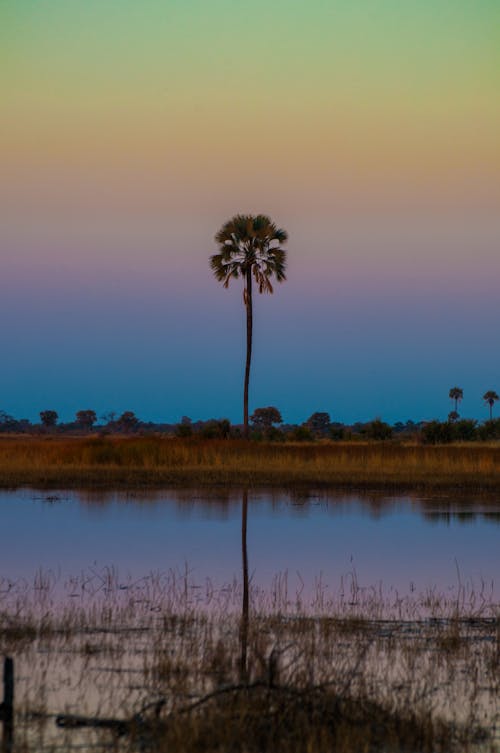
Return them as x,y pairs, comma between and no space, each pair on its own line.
301,434
490,429
465,430
216,429
378,429
183,430
318,424
435,432
337,432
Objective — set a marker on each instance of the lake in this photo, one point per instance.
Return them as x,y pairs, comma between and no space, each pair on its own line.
316,541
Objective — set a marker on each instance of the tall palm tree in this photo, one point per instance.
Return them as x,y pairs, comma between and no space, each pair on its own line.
456,394
490,399
250,247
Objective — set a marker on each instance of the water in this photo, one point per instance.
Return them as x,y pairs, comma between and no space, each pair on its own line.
408,543
317,542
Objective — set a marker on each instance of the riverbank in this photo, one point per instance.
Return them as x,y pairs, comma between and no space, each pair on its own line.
154,462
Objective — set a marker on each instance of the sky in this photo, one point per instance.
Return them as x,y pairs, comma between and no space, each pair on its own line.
130,132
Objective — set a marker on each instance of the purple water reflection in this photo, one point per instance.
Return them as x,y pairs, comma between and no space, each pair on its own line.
407,542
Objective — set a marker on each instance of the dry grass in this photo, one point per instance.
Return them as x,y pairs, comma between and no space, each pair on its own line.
162,461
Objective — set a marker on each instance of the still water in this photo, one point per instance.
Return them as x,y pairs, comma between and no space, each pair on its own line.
409,543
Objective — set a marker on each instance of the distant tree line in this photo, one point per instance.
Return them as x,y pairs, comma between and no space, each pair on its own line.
84,423
266,424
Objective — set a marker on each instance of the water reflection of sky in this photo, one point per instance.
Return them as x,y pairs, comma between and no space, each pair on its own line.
397,541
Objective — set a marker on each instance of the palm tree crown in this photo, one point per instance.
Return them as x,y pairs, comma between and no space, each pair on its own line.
250,247
490,399
250,244
456,394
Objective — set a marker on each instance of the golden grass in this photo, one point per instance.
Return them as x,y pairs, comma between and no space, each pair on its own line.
166,461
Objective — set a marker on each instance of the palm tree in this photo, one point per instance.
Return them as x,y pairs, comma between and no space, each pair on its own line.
490,398
456,394
250,247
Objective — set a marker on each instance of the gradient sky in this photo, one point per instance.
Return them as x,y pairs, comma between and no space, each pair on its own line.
130,131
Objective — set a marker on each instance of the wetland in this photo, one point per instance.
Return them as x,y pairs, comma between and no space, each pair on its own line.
251,619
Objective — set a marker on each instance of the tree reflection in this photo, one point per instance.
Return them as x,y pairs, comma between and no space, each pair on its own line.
244,609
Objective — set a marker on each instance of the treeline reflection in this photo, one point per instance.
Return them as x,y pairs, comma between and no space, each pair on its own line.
222,504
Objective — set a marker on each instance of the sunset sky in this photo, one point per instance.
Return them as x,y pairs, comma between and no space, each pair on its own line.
130,131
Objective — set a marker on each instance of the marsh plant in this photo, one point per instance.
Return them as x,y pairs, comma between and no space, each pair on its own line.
166,663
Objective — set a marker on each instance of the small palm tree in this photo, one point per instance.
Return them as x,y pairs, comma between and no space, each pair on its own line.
456,394
490,399
250,247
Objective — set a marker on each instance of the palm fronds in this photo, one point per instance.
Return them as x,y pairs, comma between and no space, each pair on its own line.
250,242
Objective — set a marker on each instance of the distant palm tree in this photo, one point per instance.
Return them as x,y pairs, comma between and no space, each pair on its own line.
456,394
490,399
250,247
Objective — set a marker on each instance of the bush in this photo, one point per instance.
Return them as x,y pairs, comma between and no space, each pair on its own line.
183,430
272,434
465,430
301,434
275,435
216,429
490,429
337,432
435,432
318,424
378,429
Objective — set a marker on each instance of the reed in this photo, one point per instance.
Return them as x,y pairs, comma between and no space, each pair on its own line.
162,667
166,461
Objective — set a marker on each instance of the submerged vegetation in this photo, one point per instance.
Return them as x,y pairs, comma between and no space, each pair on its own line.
192,461
155,665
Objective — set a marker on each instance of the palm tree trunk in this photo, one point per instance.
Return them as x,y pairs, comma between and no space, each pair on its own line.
244,610
248,303
491,410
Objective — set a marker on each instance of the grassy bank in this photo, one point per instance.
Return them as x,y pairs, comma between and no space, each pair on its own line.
117,462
